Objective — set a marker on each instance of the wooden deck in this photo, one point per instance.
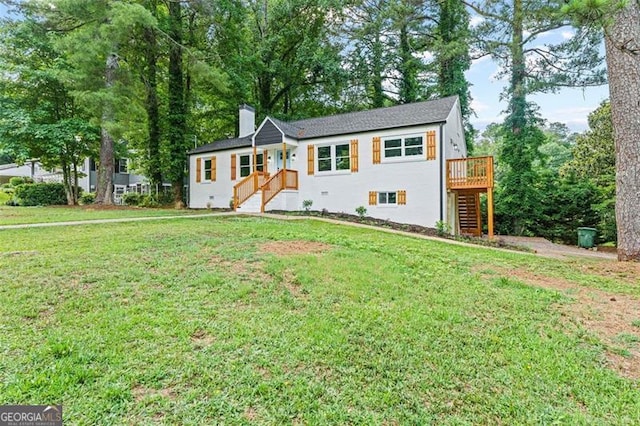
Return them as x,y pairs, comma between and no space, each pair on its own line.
470,173
468,177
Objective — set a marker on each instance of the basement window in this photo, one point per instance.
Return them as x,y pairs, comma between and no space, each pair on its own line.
387,198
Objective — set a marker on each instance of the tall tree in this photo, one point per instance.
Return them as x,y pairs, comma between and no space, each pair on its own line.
177,116
152,104
39,117
451,51
95,35
621,23
509,33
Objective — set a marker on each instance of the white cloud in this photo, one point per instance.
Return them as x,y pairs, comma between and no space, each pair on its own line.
480,60
567,34
479,106
475,21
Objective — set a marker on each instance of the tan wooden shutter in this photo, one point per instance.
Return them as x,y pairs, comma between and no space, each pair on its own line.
198,170
431,145
213,169
310,159
233,166
402,197
354,155
264,161
373,198
376,150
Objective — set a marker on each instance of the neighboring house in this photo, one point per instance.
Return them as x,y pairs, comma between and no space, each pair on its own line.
404,163
123,180
30,169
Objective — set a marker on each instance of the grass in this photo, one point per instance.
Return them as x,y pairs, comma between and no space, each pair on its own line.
22,215
190,323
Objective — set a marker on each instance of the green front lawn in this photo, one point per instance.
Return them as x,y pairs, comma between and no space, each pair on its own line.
192,322
20,215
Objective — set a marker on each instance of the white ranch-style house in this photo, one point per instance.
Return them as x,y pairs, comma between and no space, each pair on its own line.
405,163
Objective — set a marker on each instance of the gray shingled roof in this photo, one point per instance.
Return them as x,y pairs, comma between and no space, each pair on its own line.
415,114
406,115
223,144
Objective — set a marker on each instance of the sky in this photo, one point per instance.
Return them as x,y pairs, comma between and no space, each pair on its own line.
569,106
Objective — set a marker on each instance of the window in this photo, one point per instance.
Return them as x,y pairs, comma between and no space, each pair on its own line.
122,166
334,157
406,146
92,165
392,148
324,158
245,165
387,198
207,170
260,162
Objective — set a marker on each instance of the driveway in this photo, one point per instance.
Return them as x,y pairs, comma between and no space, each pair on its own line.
545,247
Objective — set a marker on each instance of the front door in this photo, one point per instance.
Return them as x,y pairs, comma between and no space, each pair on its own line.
279,159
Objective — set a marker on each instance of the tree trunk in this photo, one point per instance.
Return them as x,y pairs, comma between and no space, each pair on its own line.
177,108
154,166
66,182
623,63
76,187
377,98
104,186
408,72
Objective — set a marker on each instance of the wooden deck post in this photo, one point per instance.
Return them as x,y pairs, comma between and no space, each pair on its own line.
255,158
490,211
284,163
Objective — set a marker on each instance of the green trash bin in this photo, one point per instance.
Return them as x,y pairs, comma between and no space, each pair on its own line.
586,237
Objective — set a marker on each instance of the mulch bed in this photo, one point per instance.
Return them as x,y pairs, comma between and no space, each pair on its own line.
414,229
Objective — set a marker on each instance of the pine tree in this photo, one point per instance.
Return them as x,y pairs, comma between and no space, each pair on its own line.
508,33
621,23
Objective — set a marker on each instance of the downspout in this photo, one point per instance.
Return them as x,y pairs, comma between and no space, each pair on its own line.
188,181
441,171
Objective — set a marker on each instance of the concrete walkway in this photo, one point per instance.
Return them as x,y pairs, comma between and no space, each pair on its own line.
121,220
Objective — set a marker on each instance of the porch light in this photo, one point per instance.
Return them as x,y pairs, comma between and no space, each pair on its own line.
293,157
269,159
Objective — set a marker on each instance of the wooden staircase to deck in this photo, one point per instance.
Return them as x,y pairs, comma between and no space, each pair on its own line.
469,217
467,178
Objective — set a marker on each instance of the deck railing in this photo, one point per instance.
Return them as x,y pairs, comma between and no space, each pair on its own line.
284,179
247,187
292,179
470,173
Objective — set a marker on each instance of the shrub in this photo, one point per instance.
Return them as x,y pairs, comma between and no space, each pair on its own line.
149,201
87,198
443,228
40,194
16,181
306,205
4,197
362,211
132,198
